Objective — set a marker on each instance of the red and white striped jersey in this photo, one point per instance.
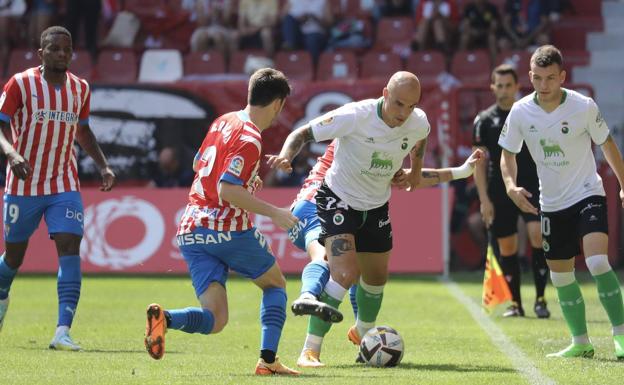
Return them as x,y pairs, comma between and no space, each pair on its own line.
43,122
316,175
230,152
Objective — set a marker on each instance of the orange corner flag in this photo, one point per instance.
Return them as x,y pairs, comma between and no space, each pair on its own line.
495,289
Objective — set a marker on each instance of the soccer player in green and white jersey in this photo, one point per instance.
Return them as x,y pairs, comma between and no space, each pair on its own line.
373,137
558,126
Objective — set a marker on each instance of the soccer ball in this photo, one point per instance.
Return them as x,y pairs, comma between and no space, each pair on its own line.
382,346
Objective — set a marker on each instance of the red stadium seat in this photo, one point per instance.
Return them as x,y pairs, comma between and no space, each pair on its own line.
116,66
377,64
587,7
471,67
296,65
238,58
204,63
569,37
427,65
22,59
81,65
337,65
520,60
394,32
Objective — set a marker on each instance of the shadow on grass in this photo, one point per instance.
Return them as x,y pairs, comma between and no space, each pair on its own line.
438,367
86,351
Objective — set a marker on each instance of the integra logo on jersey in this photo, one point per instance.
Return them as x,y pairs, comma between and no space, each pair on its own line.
203,239
58,116
236,165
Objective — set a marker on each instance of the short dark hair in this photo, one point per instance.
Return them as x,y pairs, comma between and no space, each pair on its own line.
505,69
54,30
266,85
546,56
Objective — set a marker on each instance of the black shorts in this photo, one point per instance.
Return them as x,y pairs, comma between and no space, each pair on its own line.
506,213
562,231
371,228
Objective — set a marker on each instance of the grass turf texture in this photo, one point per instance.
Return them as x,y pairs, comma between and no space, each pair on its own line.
444,345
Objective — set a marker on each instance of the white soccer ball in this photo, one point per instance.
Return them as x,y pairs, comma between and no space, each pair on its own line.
382,346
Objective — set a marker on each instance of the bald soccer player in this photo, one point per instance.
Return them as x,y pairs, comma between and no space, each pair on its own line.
372,137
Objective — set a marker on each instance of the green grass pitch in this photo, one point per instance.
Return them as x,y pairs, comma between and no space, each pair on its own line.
444,345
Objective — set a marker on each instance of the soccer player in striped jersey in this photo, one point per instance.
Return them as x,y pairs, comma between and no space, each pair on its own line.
559,126
47,108
215,233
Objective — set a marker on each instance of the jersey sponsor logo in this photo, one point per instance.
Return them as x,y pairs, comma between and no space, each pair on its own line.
381,160
384,222
203,239
590,206
293,233
404,144
73,214
236,165
54,115
551,148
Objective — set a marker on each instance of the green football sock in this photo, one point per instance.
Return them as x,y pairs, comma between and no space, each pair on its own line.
611,296
368,302
573,308
317,326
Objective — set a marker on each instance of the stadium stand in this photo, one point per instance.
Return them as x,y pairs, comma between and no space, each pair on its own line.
337,65
116,66
204,63
376,64
160,66
295,64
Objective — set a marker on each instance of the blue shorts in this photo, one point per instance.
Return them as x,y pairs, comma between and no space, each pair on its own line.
209,254
63,213
309,226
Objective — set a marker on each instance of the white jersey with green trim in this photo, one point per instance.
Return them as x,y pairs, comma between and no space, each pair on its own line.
368,152
560,143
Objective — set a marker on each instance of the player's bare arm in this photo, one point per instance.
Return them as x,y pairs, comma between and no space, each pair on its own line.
614,158
293,144
417,153
509,170
480,178
238,196
18,164
86,139
434,176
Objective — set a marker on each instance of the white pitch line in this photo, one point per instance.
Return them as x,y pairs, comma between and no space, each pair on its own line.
518,359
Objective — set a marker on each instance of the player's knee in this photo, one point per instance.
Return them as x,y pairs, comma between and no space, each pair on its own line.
220,320
345,277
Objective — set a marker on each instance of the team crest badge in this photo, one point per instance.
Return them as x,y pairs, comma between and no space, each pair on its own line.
338,218
327,121
236,166
564,128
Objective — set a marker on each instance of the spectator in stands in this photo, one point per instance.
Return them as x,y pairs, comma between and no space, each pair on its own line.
479,26
42,15
257,20
306,23
10,12
392,8
87,14
214,30
437,18
174,169
525,24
